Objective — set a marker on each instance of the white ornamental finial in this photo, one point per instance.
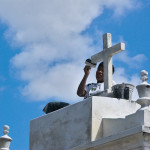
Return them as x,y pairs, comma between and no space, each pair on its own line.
5,140
6,129
144,76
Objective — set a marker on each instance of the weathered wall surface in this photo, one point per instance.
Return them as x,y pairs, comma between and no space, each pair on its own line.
77,124
115,126
137,138
61,129
111,108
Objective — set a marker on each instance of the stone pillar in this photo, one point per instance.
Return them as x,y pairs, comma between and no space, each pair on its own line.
5,140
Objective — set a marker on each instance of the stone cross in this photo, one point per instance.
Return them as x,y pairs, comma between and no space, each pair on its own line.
106,56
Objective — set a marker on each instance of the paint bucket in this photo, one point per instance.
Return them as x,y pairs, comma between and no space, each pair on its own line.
123,91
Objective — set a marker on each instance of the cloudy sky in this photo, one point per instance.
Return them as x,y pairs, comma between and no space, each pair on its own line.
43,47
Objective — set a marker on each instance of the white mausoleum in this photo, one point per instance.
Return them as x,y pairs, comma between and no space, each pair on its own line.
97,123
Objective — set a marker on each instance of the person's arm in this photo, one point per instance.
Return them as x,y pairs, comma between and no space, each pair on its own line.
81,89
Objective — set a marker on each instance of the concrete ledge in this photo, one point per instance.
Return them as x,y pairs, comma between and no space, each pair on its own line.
121,137
114,126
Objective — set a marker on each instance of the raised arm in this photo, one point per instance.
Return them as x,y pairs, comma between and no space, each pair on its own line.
81,89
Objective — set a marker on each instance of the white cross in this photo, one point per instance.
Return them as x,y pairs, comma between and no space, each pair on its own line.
106,56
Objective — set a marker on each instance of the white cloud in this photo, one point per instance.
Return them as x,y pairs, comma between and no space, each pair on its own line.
119,8
58,82
52,46
131,61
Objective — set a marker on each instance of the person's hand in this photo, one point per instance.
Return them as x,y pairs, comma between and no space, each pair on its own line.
87,70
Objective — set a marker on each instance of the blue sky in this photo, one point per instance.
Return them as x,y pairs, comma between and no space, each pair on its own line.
43,47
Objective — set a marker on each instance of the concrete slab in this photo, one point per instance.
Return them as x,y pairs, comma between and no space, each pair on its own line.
115,126
77,124
137,138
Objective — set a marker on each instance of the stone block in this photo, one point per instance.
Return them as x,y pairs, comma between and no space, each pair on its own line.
115,126
137,138
77,124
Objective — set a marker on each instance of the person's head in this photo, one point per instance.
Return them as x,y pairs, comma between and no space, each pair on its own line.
100,72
